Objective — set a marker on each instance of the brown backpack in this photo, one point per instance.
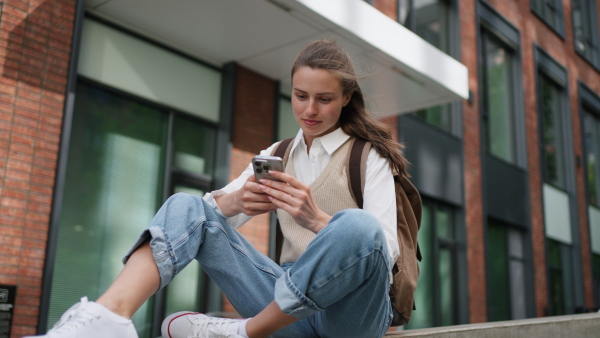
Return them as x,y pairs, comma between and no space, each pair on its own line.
408,209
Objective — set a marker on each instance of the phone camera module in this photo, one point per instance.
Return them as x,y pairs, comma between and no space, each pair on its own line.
266,167
258,170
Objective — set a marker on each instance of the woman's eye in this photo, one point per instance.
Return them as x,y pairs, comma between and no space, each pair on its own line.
301,97
326,100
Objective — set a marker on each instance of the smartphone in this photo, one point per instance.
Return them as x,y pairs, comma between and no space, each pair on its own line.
262,165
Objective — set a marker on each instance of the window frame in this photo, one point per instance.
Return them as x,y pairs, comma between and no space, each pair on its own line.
590,100
509,257
453,35
550,70
572,251
439,243
491,22
212,296
559,28
592,17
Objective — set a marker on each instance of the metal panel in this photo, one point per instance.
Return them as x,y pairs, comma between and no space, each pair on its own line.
506,191
436,160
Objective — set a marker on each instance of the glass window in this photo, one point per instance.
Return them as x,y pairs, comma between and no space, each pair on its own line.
553,139
499,103
439,116
498,270
592,147
596,269
506,272
431,22
193,146
550,11
111,193
114,185
119,60
404,12
584,24
561,286
286,123
435,297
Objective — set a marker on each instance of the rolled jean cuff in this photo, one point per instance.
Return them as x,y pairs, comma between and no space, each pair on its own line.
163,254
291,300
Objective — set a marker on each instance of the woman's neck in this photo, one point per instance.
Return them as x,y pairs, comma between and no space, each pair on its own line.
308,141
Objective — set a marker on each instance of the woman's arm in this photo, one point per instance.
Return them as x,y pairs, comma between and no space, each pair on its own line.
380,199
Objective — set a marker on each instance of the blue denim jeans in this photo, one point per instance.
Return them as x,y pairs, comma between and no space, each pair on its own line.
337,288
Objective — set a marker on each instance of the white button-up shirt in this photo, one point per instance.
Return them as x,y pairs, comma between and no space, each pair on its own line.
379,195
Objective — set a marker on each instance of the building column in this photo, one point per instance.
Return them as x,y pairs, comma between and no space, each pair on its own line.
35,48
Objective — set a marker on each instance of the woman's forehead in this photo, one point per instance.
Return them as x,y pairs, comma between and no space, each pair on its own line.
316,80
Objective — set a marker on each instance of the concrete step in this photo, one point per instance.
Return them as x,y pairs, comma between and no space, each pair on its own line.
570,326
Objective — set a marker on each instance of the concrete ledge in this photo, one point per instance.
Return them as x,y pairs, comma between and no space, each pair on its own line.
571,326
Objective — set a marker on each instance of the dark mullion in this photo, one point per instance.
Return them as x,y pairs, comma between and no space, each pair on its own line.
485,96
436,267
508,275
596,140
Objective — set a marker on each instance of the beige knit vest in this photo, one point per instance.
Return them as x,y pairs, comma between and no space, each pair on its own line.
332,194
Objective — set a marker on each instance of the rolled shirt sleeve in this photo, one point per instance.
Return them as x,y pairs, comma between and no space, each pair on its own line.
380,200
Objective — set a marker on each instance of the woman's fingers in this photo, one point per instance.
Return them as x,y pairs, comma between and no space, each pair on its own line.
253,200
287,178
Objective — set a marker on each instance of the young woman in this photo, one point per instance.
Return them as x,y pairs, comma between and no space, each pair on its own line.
336,259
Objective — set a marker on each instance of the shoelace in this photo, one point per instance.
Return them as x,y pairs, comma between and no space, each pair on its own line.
75,317
213,327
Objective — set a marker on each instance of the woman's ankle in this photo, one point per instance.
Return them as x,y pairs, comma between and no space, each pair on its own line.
114,307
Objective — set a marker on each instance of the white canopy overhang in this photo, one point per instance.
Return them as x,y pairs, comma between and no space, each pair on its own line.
404,72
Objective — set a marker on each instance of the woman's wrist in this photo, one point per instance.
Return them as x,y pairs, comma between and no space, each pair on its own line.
321,222
227,203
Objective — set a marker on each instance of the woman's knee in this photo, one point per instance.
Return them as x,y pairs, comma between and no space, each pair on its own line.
182,199
179,210
356,224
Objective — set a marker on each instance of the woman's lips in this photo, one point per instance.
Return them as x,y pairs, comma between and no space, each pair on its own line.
311,122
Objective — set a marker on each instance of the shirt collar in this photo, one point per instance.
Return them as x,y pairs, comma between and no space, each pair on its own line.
331,142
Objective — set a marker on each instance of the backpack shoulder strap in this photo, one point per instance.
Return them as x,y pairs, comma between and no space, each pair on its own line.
283,149
357,169
356,175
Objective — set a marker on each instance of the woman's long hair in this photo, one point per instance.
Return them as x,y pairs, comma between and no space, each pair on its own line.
354,120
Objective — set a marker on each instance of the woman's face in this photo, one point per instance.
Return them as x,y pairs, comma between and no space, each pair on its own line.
317,101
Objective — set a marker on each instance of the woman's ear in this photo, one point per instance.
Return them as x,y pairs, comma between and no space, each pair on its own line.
347,98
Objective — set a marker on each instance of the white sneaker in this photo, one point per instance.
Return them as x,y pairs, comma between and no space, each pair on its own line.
196,325
91,320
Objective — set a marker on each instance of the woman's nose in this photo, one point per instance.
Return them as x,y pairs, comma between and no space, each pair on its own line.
312,108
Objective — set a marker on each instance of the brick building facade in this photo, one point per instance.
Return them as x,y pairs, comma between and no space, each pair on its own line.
43,60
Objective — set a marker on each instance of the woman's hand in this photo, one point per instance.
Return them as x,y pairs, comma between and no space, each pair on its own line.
296,199
249,199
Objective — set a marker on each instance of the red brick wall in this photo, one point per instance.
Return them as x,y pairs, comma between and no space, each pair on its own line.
389,8
253,131
35,42
473,166
254,111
